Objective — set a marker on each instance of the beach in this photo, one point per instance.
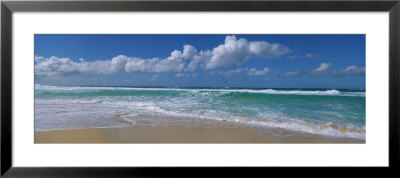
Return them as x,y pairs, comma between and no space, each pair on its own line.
217,132
80,114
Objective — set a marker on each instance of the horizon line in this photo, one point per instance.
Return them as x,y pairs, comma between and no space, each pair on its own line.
232,87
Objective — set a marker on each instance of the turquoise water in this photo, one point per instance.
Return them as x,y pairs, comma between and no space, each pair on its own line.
331,112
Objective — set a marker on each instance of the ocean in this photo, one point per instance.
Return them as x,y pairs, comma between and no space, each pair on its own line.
327,112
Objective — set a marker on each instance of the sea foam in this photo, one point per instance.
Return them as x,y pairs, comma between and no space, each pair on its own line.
328,112
333,92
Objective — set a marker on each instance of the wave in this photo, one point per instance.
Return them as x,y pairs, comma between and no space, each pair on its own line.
269,119
288,123
323,129
332,92
326,129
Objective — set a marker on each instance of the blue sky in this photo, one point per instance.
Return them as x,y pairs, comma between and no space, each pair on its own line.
231,60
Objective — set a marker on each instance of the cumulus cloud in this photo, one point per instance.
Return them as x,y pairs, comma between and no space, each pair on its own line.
65,66
121,63
234,52
189,51
198,59
325,69
255,72
55,65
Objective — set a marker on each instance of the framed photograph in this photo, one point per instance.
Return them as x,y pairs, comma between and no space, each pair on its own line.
141,88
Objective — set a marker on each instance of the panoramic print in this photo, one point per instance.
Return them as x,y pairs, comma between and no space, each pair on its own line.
198,88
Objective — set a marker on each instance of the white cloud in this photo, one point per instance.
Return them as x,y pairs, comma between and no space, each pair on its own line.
189,51
198,59
236,52
322,67
121,63
255,72
55,65
325,69
176,54
354,69
39,59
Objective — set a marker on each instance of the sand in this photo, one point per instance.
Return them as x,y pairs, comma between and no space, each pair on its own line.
218,132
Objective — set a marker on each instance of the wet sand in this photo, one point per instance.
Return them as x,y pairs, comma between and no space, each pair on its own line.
219,132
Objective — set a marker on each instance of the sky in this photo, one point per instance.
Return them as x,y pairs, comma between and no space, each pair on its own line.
223,60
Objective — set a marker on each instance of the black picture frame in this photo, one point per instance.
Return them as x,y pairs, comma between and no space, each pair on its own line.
8,7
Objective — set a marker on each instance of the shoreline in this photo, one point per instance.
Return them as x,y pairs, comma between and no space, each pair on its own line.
218,132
